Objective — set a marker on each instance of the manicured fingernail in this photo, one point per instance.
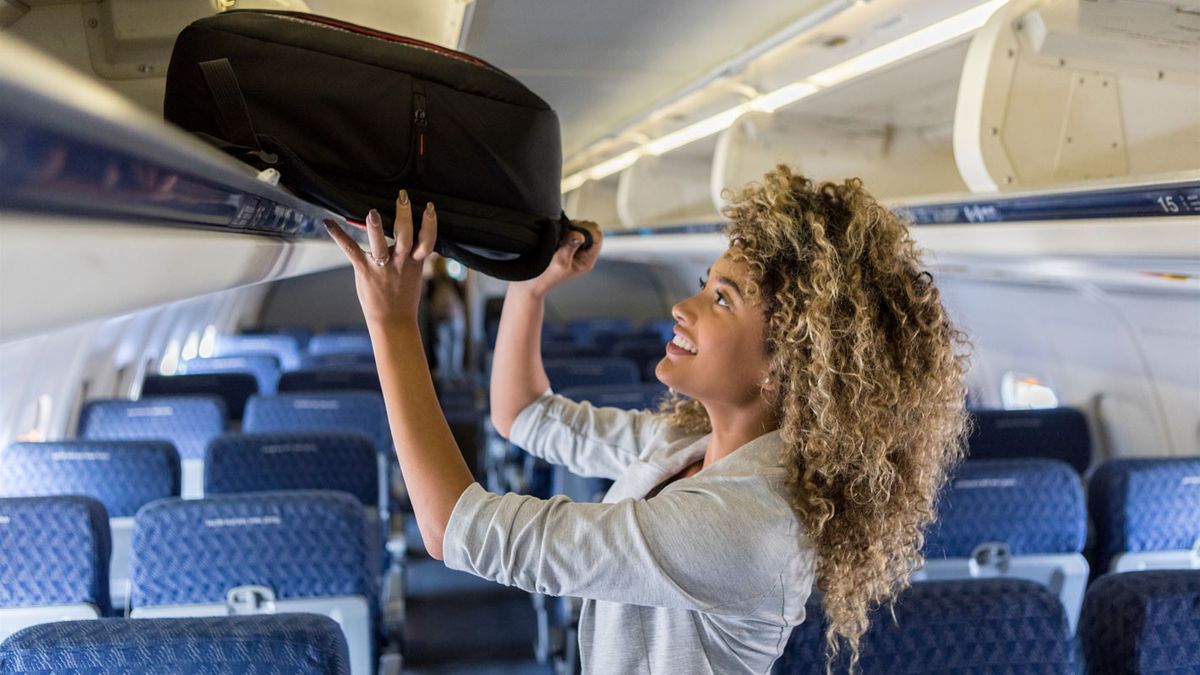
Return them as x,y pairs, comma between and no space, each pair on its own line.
373,218
404,197
329,224
575,241
429,207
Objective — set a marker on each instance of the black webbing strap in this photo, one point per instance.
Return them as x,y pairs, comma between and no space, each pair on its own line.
231,105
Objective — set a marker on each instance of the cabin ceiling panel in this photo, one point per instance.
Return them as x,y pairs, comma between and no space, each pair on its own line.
636,51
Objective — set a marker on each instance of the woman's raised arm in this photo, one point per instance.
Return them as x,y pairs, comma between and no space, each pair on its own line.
518,377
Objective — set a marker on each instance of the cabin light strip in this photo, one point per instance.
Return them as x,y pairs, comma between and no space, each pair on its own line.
938,34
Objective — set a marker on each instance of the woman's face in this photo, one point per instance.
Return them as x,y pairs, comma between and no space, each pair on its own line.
718,355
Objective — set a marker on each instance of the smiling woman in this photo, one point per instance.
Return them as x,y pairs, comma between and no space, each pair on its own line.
783,457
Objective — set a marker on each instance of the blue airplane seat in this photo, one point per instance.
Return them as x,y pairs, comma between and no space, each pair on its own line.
662,330
299,644
585,331
348,411
345,411
1142,622
646,353
260,553
187,422
356,378
54,557
302,334
1147,513
264,368
232,388
284,347
301,460
309,460
121,475
340,343
586,372
1021,518
1053,433
975,626
337,361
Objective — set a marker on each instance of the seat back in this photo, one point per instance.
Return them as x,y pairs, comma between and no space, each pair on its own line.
1147,513
303,644
261,462
302,334
267,552
264,368
1054,433
1142,622
352,412
232,388
585,331
54,554
337,361
1021,519
568,373
187,422
645,352
357,378
286,348
121,475
340,343
976,626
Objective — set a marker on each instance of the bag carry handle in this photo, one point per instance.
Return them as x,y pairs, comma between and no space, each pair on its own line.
587,234
233,114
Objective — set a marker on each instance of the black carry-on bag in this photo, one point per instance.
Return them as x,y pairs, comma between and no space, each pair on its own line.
349,115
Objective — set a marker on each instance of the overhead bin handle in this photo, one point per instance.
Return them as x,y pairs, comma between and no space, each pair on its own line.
234,115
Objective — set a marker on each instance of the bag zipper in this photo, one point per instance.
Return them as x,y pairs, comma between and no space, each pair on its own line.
361,30
420,122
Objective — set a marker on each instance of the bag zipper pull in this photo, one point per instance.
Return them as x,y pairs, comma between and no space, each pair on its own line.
420,121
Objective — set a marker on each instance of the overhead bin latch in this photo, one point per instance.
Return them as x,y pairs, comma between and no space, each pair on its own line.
250,599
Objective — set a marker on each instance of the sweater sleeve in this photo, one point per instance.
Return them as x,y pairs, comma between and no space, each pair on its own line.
594,442
696,549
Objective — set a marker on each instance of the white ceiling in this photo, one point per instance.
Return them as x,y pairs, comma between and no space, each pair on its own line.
601,62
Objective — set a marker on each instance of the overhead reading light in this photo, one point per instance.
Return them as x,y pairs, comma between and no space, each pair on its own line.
929,37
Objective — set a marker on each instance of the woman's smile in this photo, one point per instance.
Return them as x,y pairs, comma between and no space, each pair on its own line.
681,346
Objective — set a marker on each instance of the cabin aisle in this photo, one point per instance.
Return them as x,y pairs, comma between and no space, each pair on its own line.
458,623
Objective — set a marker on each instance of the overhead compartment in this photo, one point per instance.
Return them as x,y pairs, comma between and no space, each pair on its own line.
669,189
1062,91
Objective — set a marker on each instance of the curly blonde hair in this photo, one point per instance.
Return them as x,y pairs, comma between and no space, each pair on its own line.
870,392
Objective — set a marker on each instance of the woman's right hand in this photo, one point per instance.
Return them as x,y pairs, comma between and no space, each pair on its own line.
568,261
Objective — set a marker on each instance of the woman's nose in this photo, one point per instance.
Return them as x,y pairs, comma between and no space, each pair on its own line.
680,313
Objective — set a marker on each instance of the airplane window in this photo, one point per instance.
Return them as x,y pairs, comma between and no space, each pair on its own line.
41,416
191,347
208,342
170,360
1022,391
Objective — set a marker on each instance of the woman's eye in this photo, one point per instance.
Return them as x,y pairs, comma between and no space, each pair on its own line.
722,300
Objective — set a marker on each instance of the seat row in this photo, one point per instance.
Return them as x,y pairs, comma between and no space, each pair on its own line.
255,553
190,422
301,644
1136,622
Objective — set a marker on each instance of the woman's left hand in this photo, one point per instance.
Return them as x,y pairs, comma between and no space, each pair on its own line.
388,279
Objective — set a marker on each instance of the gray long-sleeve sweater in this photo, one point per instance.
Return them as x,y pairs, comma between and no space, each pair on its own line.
708,576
